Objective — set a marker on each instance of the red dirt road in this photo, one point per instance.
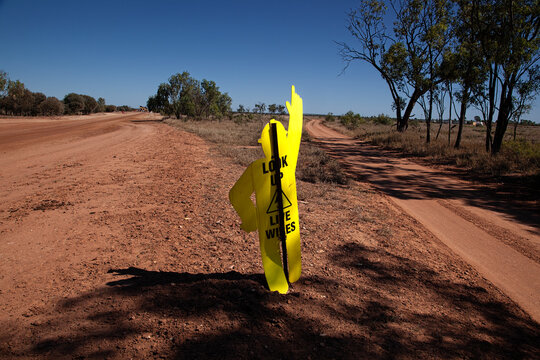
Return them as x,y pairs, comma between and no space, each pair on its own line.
490,236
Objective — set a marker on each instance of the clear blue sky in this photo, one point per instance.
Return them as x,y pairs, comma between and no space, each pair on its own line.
254,50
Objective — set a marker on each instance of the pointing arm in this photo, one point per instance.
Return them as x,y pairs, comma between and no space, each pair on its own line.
294,133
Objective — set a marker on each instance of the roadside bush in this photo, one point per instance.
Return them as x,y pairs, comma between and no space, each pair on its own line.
51,106
383,120
522,154
90,105
38,98
351,120
330,117
73,103
110,108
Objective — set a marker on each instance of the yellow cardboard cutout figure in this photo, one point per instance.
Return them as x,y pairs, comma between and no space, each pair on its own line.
269,215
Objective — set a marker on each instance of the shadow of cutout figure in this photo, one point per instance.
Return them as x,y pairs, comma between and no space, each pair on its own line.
260,177
143,278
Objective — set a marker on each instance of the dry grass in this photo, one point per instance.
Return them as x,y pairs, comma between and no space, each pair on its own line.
316,166
520,157
238,139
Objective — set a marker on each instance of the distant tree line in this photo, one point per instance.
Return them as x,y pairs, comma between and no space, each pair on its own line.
261,108
16,99
184,95
481,53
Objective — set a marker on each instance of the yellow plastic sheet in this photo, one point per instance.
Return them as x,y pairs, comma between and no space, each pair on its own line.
260,177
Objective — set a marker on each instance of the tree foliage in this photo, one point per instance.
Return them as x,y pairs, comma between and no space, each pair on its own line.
411,57
184,95
74,103
51,106
18,100
101,104
81,104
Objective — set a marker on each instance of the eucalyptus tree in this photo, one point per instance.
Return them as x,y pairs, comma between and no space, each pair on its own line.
507,32
520,25
184,95
527,90
411,57
101,103
469,66
259,108
272,108
209,98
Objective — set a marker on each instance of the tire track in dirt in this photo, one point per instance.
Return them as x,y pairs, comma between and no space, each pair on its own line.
418,190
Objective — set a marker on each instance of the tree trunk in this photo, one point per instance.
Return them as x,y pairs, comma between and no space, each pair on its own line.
500,129
412,101
462,112
488,134
502,118
492,85
428,120
440,127
450,114
398,115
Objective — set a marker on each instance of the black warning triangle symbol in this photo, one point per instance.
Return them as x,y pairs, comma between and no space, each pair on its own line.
273,207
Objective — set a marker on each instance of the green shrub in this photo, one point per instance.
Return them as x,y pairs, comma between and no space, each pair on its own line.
524,155
383,120
351,120
330,117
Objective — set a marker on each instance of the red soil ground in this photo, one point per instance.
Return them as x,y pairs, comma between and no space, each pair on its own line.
117,241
